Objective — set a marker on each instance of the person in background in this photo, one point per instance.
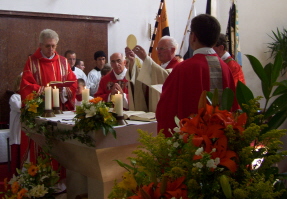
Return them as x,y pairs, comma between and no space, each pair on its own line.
151,73
115,81
179,58
15,125
46,65
94,76
80,88
106,69
80,64
71,57
204,71
221,50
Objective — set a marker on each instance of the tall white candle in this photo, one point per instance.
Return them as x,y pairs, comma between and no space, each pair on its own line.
48,98
118,104
56,102
86,94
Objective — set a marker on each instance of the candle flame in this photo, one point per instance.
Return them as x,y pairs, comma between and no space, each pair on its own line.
118,92
85,87
48,85
54,87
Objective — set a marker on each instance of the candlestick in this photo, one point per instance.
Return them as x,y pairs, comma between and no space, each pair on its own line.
56,101
48,97
118,104
86,94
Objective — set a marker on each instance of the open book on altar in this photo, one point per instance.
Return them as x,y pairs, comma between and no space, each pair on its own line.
61,84
139,115
157,87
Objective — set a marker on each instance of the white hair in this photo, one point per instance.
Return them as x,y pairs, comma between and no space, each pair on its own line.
48,34
172,41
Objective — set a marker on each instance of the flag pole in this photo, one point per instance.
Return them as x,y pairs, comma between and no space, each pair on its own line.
155,26
187,24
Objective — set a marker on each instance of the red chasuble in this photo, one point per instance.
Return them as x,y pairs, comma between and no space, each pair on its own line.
183,87
236,70
107,83
39,71
172,63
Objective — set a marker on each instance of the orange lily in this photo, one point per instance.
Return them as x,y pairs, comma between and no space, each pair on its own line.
96,100
21,193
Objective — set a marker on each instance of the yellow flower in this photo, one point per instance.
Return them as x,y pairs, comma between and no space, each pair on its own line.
33,107
15,186
21,193
128,183
32,170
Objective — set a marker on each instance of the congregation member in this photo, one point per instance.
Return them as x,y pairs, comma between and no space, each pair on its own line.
80,64
46,65
80,88
94,76
204,71
221,50
115,82
151,73
72,57
137,90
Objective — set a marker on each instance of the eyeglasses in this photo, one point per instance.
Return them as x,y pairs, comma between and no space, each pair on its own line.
162,49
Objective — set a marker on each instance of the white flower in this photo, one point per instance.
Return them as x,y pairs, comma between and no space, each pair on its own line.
42,178
211,164
175,144
198,165
217,161
176,129
169,142
38,191
90,112
199,151
213,150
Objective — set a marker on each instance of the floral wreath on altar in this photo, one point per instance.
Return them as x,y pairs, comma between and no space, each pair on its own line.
215,153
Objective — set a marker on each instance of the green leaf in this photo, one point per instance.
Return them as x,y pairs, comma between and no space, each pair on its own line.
215,100
267,86
243,95
281,89
227,99
258,68
278,105
124,165
276,121
277,66
209,96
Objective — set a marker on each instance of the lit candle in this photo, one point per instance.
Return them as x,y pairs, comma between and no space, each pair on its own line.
56,102
48,97
118,99
86,94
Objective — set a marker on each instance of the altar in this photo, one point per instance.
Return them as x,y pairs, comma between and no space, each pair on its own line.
93,170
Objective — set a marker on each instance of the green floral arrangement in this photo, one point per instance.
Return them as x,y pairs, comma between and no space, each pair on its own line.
95,115
33,181
90,116
33,106
215,153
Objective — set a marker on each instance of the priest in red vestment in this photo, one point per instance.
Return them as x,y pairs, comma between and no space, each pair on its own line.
236,69
46,65
204,71
115,81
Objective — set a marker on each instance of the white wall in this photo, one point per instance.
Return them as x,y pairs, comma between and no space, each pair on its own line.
256,20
